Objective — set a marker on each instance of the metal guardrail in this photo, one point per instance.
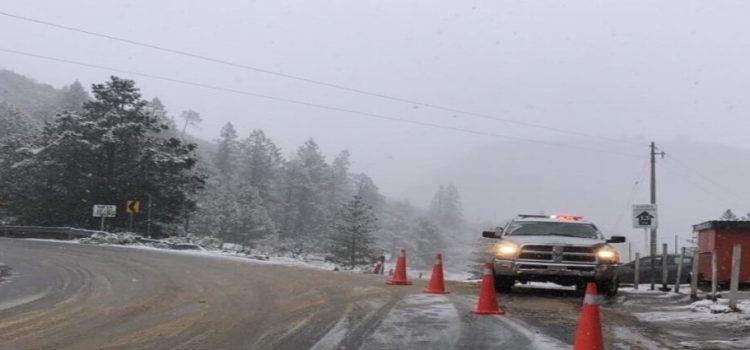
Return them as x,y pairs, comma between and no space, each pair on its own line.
43,231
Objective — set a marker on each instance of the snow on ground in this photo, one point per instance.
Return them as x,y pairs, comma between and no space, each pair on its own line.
448,274
417,321
631,336
646,289
701,310
700,324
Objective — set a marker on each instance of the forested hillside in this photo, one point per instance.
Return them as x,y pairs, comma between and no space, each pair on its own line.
63,150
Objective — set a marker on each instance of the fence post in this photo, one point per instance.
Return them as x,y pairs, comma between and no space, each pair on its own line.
679,271
735,282
636,276
694,276
664,271
714,275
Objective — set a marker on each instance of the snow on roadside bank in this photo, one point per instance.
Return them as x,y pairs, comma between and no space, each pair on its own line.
207,246
690,324
701,310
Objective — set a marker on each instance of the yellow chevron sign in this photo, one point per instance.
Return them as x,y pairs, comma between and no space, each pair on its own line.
133,207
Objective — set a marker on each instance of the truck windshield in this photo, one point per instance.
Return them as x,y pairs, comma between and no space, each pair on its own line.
537,228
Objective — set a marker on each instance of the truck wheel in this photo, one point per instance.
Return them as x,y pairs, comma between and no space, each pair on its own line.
609,288
581,288
504,284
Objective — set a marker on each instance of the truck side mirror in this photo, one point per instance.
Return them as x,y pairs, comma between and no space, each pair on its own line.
616,239
489,234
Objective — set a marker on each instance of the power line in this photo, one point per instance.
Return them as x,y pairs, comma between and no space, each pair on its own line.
314,81
308,104
631,196
727,192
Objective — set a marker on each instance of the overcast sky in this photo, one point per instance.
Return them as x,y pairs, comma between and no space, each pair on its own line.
638,70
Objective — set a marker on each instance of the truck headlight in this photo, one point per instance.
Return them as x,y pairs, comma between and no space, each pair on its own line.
506,249
607,254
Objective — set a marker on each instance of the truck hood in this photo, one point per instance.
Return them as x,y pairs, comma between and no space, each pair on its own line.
555,240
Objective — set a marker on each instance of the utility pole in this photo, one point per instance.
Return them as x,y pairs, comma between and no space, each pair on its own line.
653,201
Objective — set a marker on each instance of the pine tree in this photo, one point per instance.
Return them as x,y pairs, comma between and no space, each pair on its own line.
445,207
13,122
728,216
227,153
366,188
306,177
352,241
260,164
234,214
73,97
158,110
105,155
192,118
452,212
341,182
429,240
437,206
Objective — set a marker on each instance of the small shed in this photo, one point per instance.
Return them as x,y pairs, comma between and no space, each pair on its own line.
722,236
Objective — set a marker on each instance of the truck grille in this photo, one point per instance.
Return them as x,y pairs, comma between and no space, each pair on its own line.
560,254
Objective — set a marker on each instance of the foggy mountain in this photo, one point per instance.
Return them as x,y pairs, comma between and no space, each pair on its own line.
36,100
695,182
39,102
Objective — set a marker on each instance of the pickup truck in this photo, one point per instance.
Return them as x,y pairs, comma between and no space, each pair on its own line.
563,249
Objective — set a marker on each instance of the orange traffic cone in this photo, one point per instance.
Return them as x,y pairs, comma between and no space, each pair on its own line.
437,284
589,333
487,304
399,276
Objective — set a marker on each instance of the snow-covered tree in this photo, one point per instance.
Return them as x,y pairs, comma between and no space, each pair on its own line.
232,213
306,176
13,122
73,97
365,187
158,110
352,243
445,207
728,216
260,165
105,155
341,182
429,240
227,153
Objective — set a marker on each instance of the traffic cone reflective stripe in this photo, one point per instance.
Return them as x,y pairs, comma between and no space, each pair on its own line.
399,276
589,332
487,303
437,283
591,299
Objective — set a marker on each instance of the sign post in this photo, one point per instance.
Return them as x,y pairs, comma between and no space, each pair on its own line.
645,217
104,211
132,207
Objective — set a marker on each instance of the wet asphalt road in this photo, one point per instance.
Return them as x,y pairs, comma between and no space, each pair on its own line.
70,296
